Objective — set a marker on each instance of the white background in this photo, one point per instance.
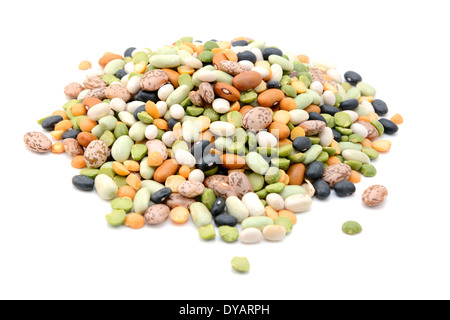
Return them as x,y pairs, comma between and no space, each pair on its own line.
54,240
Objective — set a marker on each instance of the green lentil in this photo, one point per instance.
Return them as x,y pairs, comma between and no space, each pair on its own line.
229,234
371,152
368,170
248,97
342,119
272,175
377,124
194,111
235,118
285,150
208,197
91,173
120,181
304,100
281,163
240,264
297,157
354,93
138,152
312,154
185,79
355,138
289,90
366,89
207,232
145,117
331,151
355,165
351,228
344,131
211,114
107,171
285,222
236,148
121,129
240,135
125,204
116,217
262,194
275,187
300,67
206,56
314,140
108,138
323,157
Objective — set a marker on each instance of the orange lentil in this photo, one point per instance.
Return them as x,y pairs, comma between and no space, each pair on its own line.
134,181
284,142
57,135
382,145
126,192
299,86
208,135
282,116
373,116
367,143
61,113
134,221
120,169
179,215
336,146
288,104
64,125
235,106
279,130
78,162
297,132
366,98
231,55
185,70
187,48
84,65
355,177
288,214
303,58
161,124
152,110
216,50
333,160
78,110
397,119
155,159
329,86
364,118
86,125
173,181
140,67
200,48
132,165
58,148
184,171
177,130
271,213
173,77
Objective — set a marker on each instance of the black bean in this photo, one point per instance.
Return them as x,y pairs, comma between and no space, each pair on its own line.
161,195
267,52
71,134
221,170
200,149
274,85
322,188
314,170
171,123
352,77
121,73
208,161
316,116
225,220
349,104
137,111
129,51
83,183
336,135
145,96
49,123
239,43
302,144
344,189
380,107
329,110
247,55
389,126
218,207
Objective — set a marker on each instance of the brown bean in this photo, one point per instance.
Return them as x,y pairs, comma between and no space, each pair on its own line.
227,92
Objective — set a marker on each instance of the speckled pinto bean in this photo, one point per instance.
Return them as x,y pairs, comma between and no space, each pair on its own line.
237,135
